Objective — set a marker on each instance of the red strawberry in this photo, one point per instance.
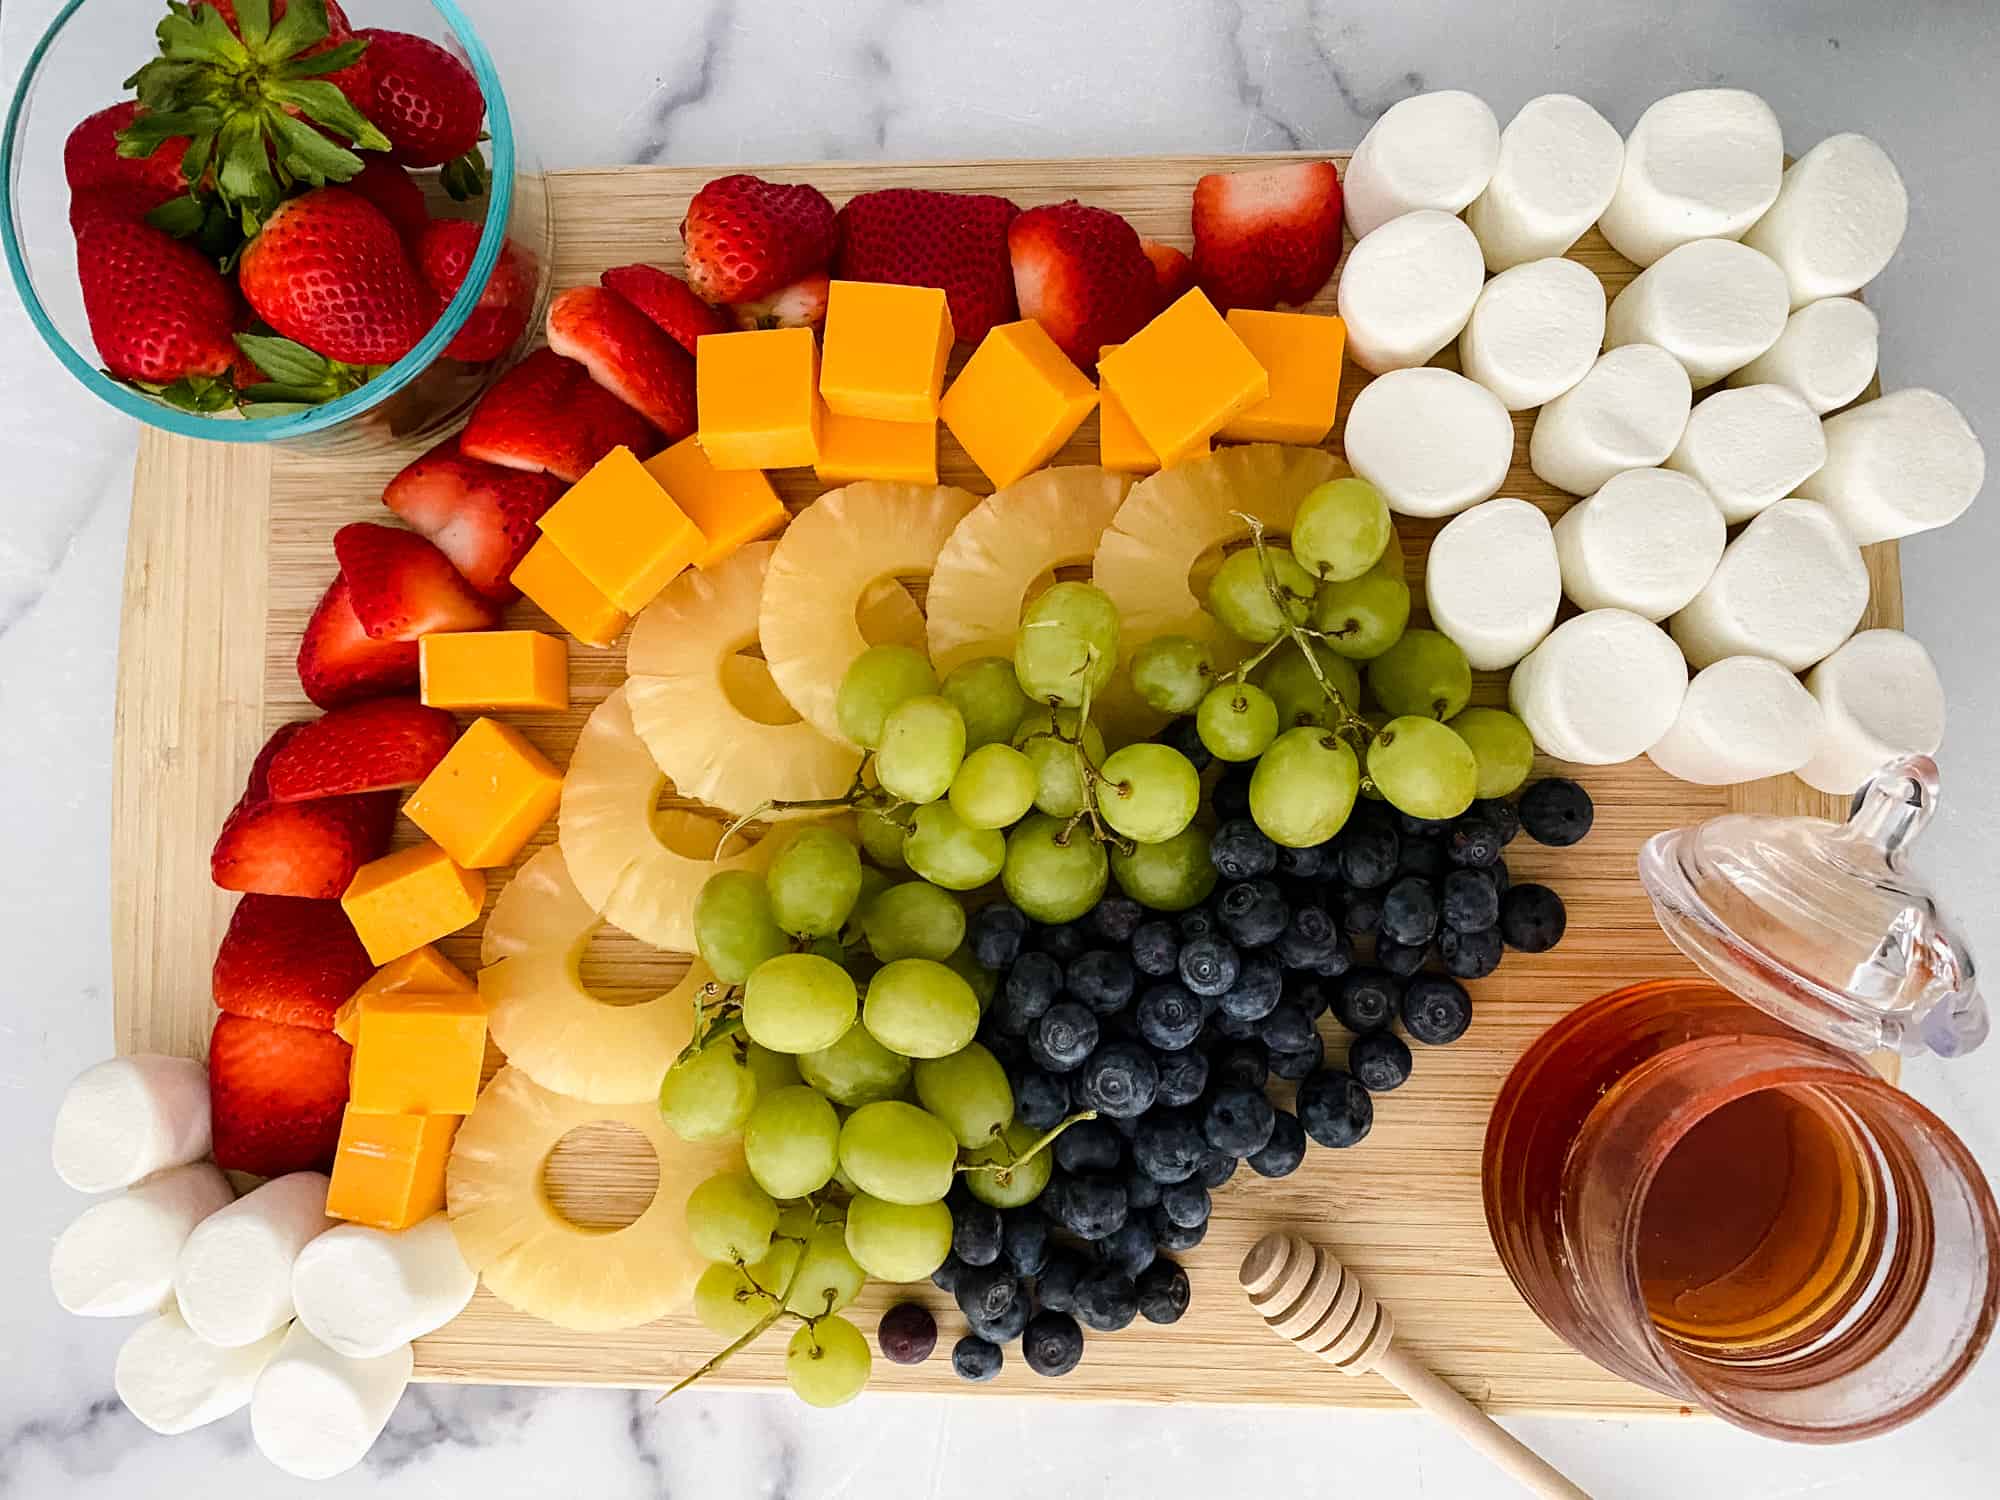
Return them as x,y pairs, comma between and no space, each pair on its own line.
290,961
426,101
396,193
445,253
99,178
297,848
547,414
158,308
627,354
1267,236
747,237
1080,273
355,80
1171,269
275,1094
666,299
480,515
800,305
339,663
366,747
956,241
404,588
329,271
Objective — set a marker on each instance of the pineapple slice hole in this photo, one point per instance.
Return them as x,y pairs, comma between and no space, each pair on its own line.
617,969
752,691
603,1175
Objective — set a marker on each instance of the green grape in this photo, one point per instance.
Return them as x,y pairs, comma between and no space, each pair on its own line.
1362,617
791,1142
882,834
1239,598
1304,787
1236,721
1391,562
897,1152
729,1217
922,744
969,1092
1288,678
878,681
913,920
1502,746
1018,1182
897,1242
920,1008
729,1303
1424,673
873,883
1149,792
1341,529
772,1070
774,1272
814,882
1171,875
734,930
1058,784
856,1070
1423,768
798,1002
1068,644
1172,673
994,788
827,1362
946,850
709,1096
985,983
828,1279
988,697
1053,878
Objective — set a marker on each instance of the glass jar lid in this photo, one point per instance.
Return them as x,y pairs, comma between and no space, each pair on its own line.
1824,924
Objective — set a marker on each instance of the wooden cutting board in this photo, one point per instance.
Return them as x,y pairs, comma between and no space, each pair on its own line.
230,549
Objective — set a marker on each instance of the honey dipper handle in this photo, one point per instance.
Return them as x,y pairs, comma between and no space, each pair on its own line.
1469,1422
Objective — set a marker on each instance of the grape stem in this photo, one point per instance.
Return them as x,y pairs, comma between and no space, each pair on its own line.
1004,1170
717,1014
857,790
1088,776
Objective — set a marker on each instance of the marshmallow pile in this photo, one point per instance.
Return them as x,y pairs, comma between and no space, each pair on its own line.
260,1301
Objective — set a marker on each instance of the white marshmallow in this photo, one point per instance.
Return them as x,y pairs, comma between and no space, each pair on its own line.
1826,354
316,1413
1792,587
1493,583
1840,215
1744,718
1704,164
1600,689
174,1382
1407,290
1750,448
128,1118
234,1277
1428,151
362,1291
1627,413
1881,699
1558,167
117,1256
1534,332
1646,542
1714,305
1430,440
1906,463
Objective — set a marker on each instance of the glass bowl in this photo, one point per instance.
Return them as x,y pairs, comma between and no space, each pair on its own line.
79,66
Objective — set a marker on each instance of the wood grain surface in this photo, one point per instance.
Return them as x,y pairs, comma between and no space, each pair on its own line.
230,549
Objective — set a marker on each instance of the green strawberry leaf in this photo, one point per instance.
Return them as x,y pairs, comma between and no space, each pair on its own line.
200,152
180,217
310,156
464,176
148,132
201,36
323,102
196,393
286,361
330,61
253,22
254,409
304,24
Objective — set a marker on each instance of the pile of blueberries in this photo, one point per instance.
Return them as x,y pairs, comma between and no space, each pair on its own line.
1172,1026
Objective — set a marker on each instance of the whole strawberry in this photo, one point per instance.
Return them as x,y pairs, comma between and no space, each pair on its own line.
1082,274
428,104
396,193
159,311
329,272
445,252
916,237
746,237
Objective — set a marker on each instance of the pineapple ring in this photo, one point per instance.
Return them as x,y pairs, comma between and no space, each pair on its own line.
550,1026
1013,537
825,563
534,1259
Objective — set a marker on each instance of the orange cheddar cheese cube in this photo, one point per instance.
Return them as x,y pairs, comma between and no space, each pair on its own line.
623,532
885,351
412,897
552,584
1182,377
1301,352
1016,401
862,448
417,1054
730,506
389,1170
493,669
487,797
1119,446
425,972
757,398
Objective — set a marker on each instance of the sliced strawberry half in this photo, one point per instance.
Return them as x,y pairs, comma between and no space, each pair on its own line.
1267,236
1173,270
1080,272
547,414
275,1095
404,588
954,241
746,237
339,663
288,960
668,301
445,252
373,746
627,353
309,849
479,515
802,304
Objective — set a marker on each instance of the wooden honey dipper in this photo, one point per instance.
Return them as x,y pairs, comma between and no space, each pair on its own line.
1310,1299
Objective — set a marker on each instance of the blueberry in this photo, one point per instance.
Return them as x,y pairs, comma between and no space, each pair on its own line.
1184,737
1185,1203
1532,918
1242,1065
1231,1028
1056,1285
1052,1344
1089,1146
945,1277
986,1292
1163,1292
1126,1125
1198,923
1024,1241
1006,1325
1064,1036
1253,912
1120,1080
1474,841
1172,1238
1334,1108
1471,901
975,1231
1183,1075
1366,856
1470,955
1114,919
1129,1249
1284,1151
1231,796
1422,857
1381,1060
973,1358
1502,814
1302,864
1410,912
1209,965
1503,879
1292,1066
1308,936
1240,850
1169,1145
1169,1017
1106,1300
1156,948
1238,1121
907,1334
1216,1168
1310,992
1260,984
995,934
1361,915
1094,1207
1141,1192
1417,827
1556,812
1436,1010
1032,985
1367,1000
1101,979
1011,1052
1287,1028
1401,959
1041,1099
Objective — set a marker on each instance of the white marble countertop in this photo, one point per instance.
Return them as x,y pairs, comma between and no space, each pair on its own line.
743,81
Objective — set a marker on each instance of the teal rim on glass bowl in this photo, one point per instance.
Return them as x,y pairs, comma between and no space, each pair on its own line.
224,427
